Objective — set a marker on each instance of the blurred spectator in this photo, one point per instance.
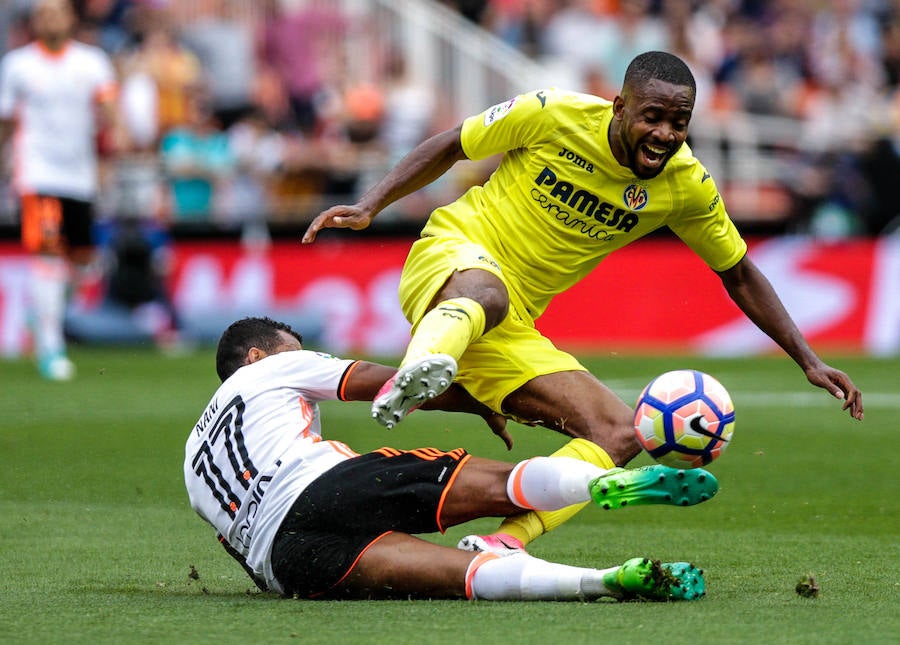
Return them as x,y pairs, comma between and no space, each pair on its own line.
410,109
109,19
362,112
881,164
761,85
316,170
572,39
844,45
519,23
197,160
139,103
297,45
225,47
413,111
890,52
632,30
688,35
839,116
174,71
134,303
290,68
259,153
701,30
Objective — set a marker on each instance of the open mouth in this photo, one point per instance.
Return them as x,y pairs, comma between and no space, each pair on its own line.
653,156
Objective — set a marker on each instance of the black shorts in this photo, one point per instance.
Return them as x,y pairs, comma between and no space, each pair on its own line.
343,511
55,223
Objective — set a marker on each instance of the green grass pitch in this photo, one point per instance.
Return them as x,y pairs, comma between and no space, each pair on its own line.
98,543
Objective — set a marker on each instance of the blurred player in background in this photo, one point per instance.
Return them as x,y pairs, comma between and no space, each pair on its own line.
57,95
580,177
311,518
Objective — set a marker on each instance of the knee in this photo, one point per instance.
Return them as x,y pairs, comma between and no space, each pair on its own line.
495,302
484,288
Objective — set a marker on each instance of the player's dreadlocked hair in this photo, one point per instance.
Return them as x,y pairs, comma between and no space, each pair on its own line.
243,334
661,66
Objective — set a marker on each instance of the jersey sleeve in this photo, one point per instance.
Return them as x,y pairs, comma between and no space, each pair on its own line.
703,223
317,376
513,124
105,81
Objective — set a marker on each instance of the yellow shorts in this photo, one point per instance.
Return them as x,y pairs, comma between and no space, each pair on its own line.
510,354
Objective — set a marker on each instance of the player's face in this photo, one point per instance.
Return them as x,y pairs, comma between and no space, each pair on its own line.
649,125
53,20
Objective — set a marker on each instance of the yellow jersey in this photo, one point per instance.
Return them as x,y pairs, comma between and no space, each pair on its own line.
559,201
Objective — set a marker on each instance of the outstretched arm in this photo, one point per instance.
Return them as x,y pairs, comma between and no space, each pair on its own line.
366,380
428,161
753,293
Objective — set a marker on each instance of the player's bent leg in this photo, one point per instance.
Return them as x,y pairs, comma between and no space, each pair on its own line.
448,328
656,484
576,403
558,483
522,577
516,531
400,565
470,302
577,448
478,490
488,488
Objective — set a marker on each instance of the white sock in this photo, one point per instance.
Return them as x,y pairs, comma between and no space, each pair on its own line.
551,483
49,277
524,577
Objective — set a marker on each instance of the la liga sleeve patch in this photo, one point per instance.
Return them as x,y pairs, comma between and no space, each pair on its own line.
497,112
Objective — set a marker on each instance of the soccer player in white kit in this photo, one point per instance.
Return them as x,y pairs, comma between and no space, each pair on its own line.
52,92
311,518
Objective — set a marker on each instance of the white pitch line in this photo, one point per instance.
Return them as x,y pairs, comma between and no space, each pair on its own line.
812,399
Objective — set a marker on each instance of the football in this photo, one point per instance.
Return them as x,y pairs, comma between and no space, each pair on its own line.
684,418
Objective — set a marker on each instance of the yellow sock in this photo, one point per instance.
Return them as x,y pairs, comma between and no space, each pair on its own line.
449,328
528,526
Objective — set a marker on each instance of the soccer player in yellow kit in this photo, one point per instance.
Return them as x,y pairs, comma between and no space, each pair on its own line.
579,178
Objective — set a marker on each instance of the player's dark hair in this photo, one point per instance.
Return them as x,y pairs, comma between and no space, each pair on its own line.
661,66
241,335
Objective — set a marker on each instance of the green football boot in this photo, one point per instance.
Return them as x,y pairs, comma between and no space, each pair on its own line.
646,579
656,484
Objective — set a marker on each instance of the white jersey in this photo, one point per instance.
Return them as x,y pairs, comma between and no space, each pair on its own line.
53,96
258,444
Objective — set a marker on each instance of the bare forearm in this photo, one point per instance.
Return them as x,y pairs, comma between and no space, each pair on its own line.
754,295
428,161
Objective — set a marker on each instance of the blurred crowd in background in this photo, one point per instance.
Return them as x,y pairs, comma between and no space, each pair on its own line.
240,114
